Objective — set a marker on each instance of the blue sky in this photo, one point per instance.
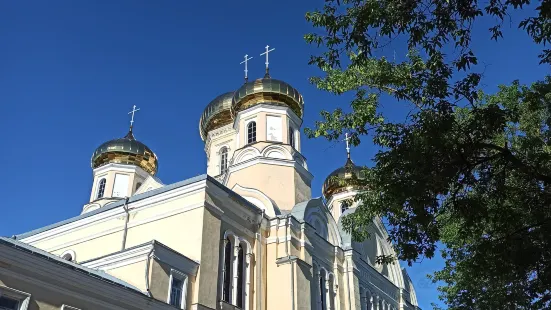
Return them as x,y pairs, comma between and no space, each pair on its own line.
71,70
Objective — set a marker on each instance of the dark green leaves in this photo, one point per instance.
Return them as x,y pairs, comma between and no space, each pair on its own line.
465,169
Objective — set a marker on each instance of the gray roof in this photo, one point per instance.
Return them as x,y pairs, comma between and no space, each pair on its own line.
299,209
138,197
18,245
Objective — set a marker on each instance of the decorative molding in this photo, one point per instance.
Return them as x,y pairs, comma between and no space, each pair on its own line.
121,168
269,109
140,253
272,161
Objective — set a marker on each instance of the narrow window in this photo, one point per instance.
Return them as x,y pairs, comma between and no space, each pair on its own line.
227,270
138,185
322,292
176,289
344,206
223,160
101,188
291,137
240,269
251,132
8,303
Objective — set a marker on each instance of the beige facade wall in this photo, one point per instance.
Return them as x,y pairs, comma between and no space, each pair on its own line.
174,223
281,183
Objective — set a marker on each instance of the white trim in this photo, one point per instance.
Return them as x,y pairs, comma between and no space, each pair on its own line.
121,168
23,298
268,207
65,307
341,195
268,108
184,278
138,254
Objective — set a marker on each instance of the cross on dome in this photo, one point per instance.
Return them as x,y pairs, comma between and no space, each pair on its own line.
134,110
347,139
247,58
267,52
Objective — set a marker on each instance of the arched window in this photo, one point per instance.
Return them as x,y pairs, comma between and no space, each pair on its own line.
240,280
322,291
226,287
291,136
344,206
101,188
223,160
251,132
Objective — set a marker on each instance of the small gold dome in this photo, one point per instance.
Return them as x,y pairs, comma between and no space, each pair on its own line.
217,114
344,179
267,91
127,151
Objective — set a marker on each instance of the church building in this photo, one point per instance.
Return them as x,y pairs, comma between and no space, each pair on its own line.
245,235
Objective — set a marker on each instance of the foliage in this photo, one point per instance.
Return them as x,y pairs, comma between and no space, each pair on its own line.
467,169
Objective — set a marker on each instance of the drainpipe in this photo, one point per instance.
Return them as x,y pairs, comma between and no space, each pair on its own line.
260,258
127,217
148,292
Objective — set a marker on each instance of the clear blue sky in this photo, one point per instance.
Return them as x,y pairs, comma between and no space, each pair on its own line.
71,70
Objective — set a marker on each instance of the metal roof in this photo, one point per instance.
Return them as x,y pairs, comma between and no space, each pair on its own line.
18,245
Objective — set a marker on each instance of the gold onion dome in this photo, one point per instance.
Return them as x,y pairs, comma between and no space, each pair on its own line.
128,151
216,114
347,178
267,91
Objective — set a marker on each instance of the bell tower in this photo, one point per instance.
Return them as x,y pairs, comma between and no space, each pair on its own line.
253,142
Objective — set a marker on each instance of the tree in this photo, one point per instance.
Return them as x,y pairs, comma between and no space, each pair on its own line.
467,169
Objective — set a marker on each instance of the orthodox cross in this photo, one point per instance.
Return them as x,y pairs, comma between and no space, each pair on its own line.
268,50
134,110
247,58
347,139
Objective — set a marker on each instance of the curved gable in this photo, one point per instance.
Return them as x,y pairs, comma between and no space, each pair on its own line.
315,213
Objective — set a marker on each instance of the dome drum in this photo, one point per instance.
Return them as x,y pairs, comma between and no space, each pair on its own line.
217,114
269,91
127,151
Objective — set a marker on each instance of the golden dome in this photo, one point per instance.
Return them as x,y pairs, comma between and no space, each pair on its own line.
344,179
267,91
216,114
127,151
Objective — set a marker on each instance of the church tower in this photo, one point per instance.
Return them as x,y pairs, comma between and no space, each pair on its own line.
252,140
120,166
